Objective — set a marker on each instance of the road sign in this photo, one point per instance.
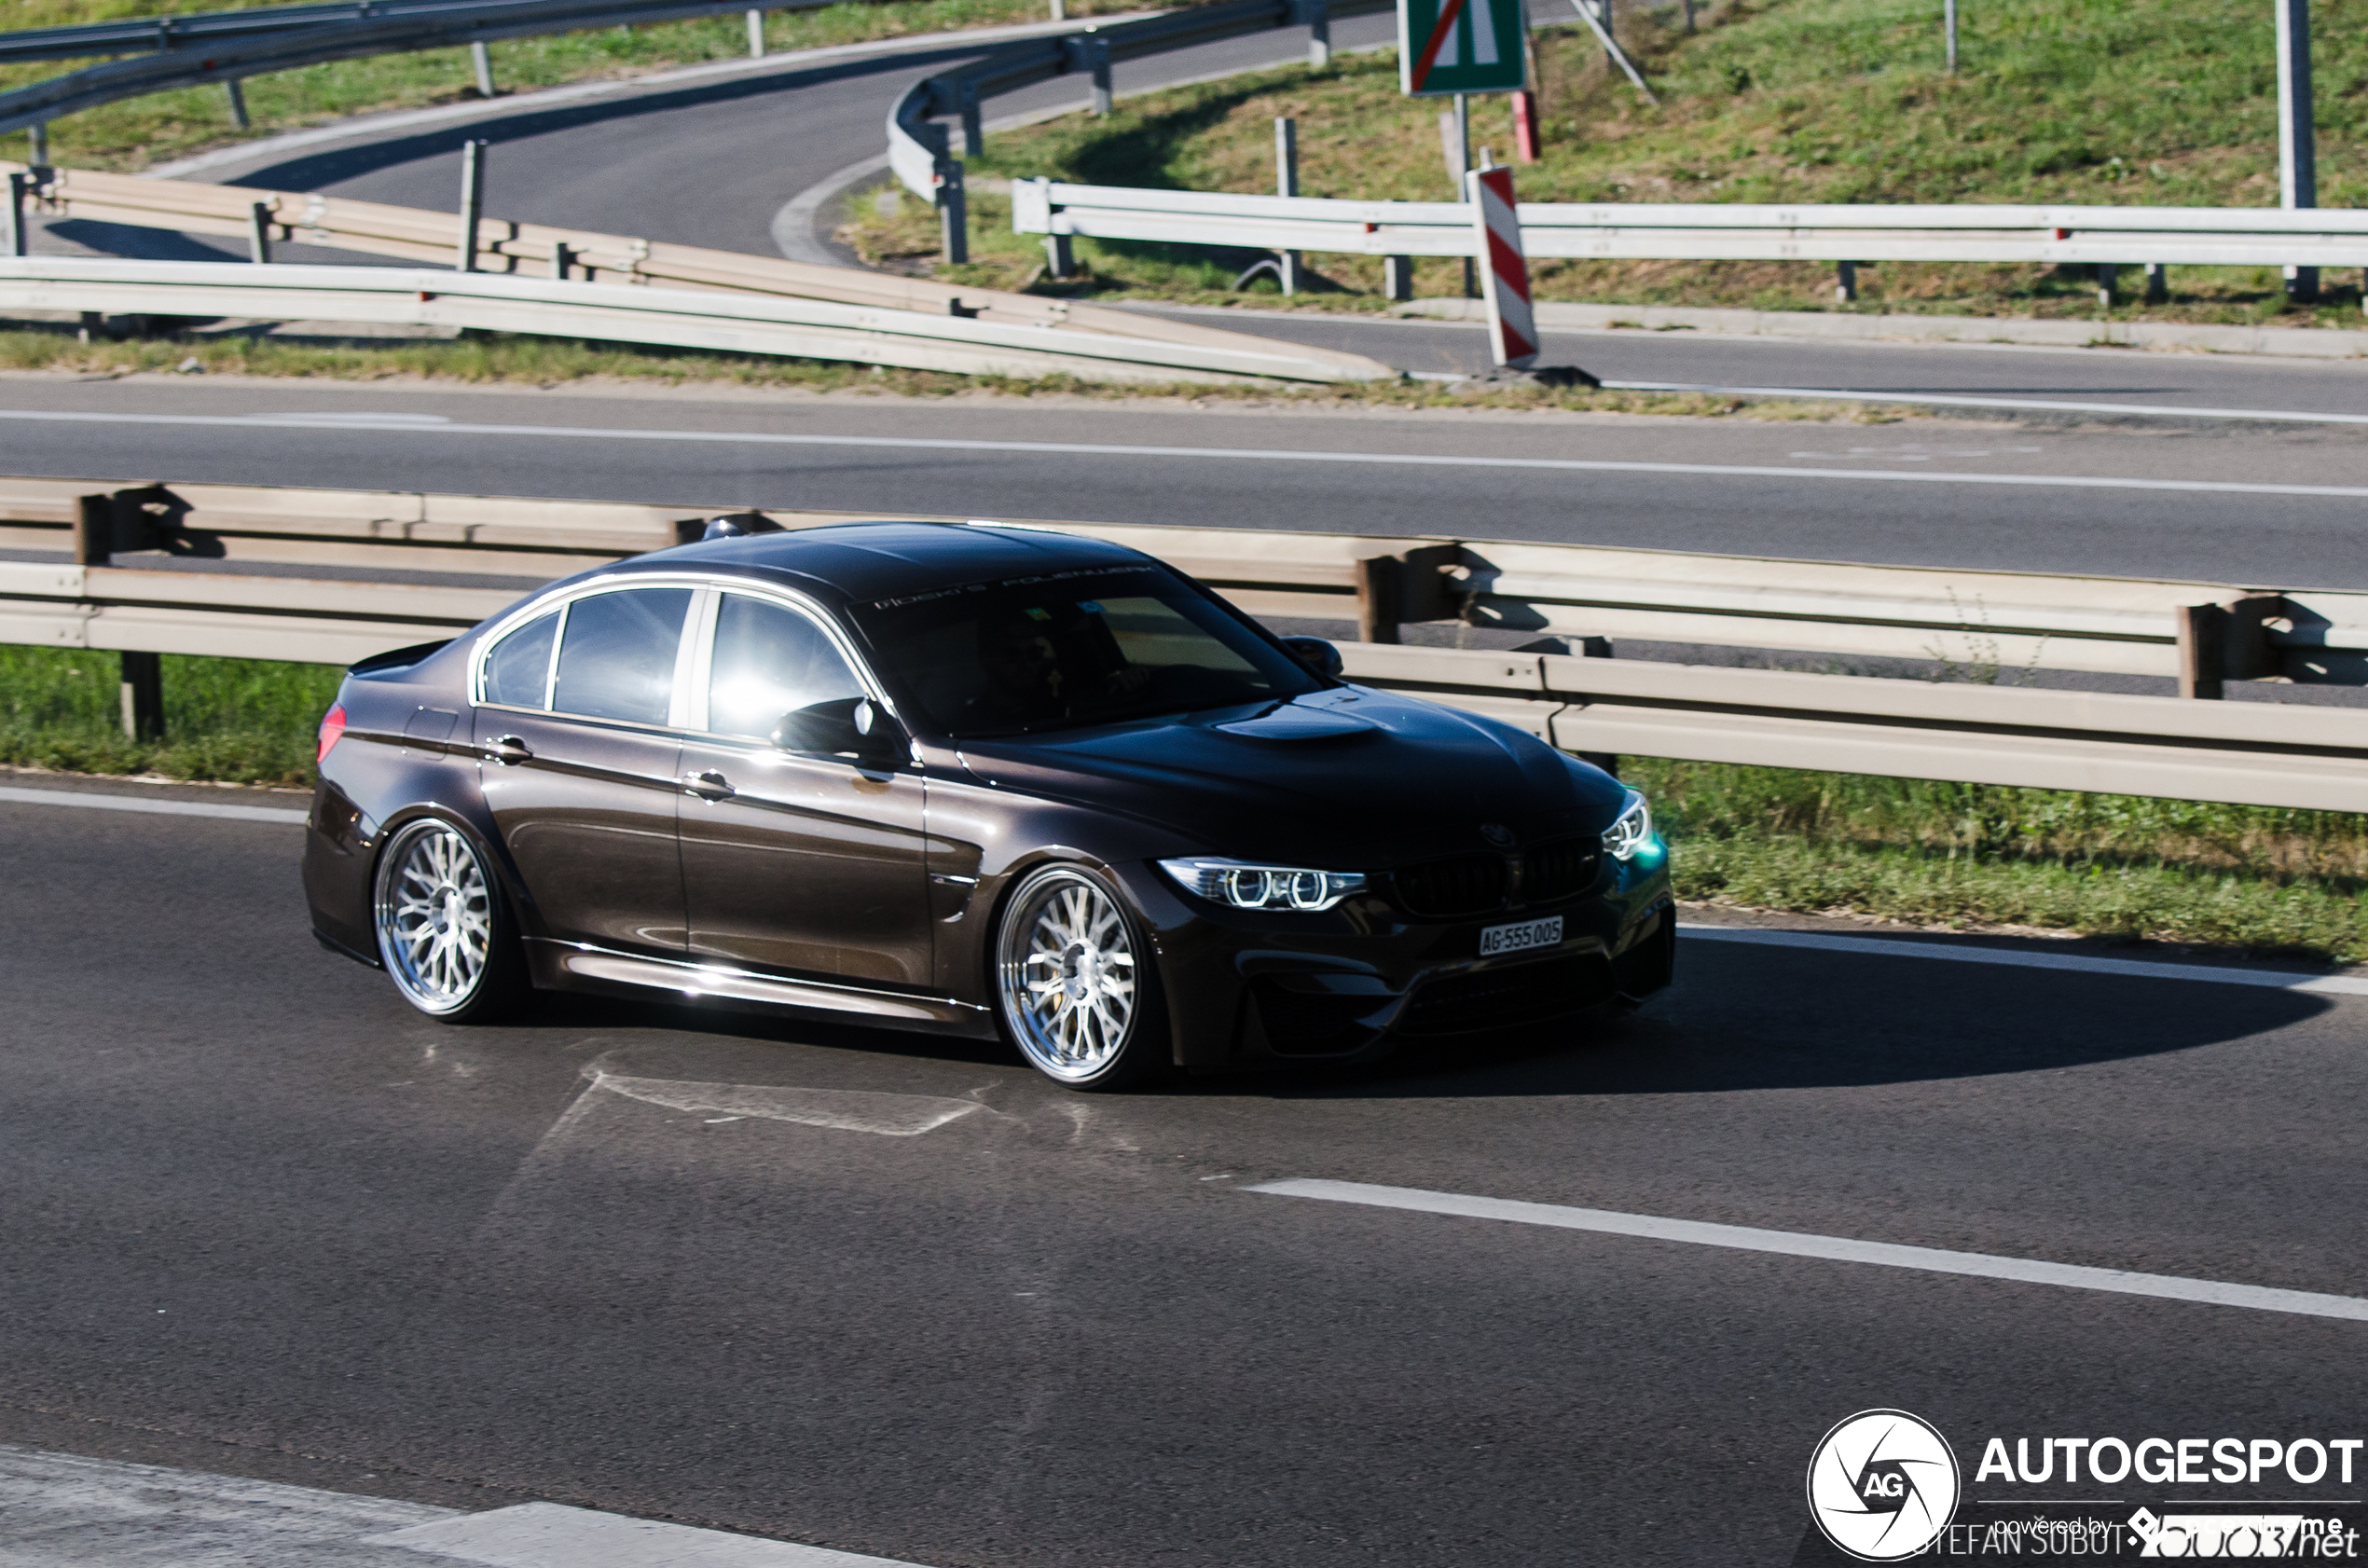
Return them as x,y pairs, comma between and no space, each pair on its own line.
1512,327
1460,46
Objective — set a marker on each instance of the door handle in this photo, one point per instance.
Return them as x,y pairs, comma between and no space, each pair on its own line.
509,751
709,786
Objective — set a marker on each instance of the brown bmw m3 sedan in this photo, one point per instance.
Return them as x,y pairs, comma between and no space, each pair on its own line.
981,780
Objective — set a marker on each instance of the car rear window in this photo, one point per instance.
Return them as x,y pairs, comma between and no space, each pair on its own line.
1071,649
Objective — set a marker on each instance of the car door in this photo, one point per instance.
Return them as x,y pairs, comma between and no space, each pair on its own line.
575,719
797,864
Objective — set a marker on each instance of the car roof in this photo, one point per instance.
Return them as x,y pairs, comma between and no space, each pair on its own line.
857,562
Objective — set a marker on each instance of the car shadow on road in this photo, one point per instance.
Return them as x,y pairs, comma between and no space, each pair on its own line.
1776,1018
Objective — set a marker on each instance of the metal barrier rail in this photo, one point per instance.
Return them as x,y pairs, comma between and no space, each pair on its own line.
681,318
383,27
2109,235
2254,753
919,309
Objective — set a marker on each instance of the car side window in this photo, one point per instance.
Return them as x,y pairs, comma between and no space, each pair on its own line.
518,671
617,655
769,662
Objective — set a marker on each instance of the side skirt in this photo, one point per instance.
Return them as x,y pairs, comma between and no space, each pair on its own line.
567,965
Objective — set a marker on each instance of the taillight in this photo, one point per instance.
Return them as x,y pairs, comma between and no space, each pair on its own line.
332,726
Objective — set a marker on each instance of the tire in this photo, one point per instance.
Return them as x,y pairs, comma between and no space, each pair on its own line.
1075,985
444,932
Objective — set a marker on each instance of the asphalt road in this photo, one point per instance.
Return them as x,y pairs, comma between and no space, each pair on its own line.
2273,506
263,1220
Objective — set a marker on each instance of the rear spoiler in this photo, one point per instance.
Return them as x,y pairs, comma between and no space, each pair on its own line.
398,658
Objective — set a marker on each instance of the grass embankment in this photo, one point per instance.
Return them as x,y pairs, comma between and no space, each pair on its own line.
2268,880
2170,102
134,134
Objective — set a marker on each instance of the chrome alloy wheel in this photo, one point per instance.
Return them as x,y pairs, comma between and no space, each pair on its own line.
1067,976
435,916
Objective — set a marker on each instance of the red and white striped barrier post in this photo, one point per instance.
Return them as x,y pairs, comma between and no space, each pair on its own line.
1512,327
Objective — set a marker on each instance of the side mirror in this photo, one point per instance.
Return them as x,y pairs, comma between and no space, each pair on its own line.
856,728
1316,654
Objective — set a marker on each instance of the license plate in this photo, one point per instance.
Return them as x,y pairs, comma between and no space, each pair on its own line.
1495,939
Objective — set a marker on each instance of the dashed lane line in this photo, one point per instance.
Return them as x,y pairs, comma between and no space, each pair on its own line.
2132,968
1839,1250
1226,454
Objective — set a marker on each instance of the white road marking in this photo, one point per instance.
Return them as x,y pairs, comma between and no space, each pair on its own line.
2132,968
546,1536
851,1110
1841,1249
1231,454
142,802
2036,405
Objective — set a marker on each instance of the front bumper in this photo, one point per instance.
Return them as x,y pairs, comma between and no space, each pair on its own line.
1254,988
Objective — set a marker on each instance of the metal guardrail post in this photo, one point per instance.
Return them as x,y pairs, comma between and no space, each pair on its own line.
953,212
39,133
259,233
472,200
1845,282
974,133
238,104
93,529
143,696
562,260
2202,640
1377,579
1286,184
1097,51
1398,277
756,35
18,237
2157,283
482,59
2108,284
1060,256
1318,14
2297,145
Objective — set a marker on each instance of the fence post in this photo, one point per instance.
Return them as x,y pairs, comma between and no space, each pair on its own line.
1398,275
483,60
952,214
259,233
756,35
238,103
93,529
472,200
1286,184
1377,579
143,696
2203,637
1100,49
2297,145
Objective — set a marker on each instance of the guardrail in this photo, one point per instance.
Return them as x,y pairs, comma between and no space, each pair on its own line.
907,322
921,152
2256,754
1708,231
220,47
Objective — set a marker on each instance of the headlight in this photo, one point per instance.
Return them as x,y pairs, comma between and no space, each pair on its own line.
1248,884
1631,831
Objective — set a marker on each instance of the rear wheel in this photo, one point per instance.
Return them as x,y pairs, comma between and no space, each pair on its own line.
443,934
1076,984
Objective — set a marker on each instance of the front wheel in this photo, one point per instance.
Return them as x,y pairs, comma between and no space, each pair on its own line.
1075,984
442,934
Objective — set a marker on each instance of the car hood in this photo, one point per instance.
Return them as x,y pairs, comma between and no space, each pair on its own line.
1345,780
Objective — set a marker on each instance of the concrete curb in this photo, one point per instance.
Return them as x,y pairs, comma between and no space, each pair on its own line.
2291,342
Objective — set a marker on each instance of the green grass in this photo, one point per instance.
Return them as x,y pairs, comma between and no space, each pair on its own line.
136,133
2265,879
243,720
2172,101
2271,881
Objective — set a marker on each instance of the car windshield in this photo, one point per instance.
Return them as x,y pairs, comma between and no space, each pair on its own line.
1071,649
